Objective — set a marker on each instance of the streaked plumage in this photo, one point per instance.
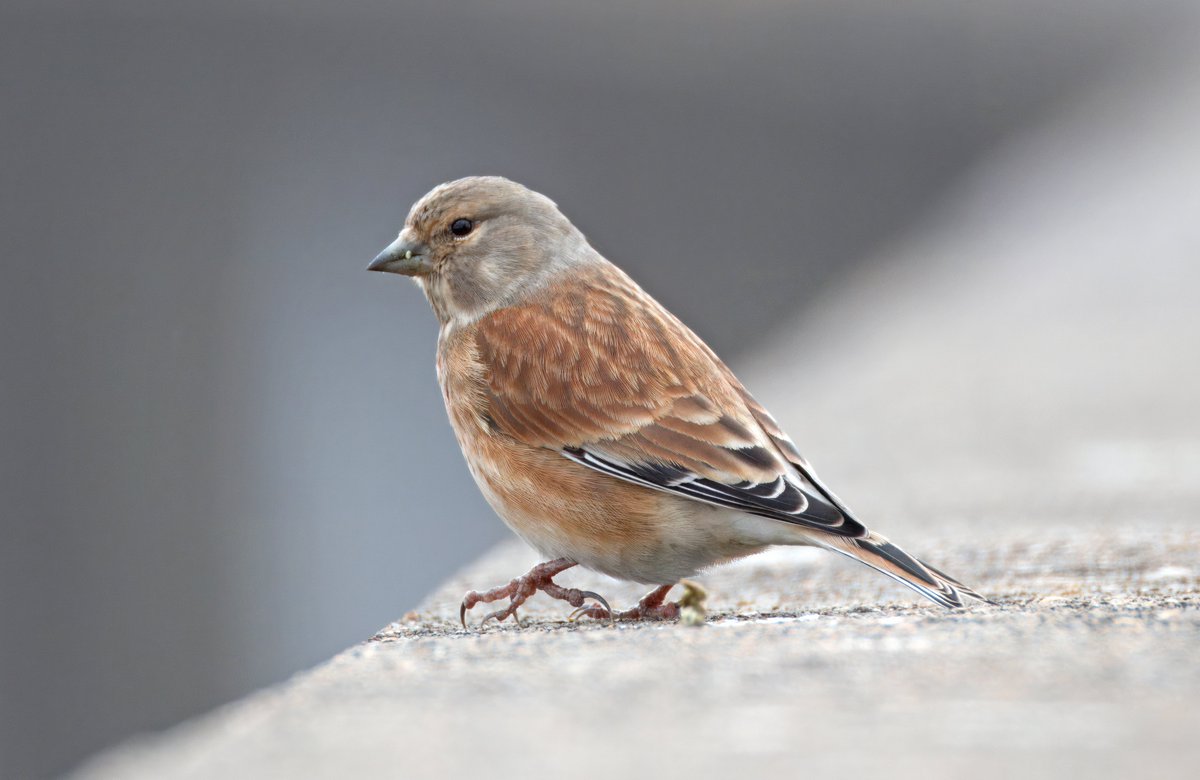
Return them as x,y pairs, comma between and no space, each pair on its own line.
600,428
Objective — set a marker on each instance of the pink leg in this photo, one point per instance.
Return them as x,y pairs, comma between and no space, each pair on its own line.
540,577
651,607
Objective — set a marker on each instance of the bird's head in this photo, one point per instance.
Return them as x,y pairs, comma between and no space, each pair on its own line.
480,243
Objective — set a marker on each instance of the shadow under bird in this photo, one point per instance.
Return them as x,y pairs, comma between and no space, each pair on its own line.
599,427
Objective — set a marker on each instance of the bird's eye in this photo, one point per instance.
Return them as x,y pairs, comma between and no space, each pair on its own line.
460,227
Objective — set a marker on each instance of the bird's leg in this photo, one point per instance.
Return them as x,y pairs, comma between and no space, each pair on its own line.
653,606
540,577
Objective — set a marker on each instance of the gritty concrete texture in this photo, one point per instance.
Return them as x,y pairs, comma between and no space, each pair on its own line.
1011,396
807,664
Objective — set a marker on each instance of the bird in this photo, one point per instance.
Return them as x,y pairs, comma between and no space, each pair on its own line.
600,428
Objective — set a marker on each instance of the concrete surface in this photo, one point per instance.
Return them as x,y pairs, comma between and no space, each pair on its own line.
1012,397
807,664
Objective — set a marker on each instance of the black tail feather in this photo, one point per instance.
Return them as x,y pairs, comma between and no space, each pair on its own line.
883,556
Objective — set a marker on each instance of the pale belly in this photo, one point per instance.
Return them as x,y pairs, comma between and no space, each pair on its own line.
565,510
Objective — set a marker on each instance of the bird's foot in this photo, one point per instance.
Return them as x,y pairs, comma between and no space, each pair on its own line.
540,577
653,606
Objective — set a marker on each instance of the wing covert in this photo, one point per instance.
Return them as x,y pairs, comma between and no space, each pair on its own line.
601,373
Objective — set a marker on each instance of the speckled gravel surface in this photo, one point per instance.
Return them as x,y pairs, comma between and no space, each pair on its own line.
807,663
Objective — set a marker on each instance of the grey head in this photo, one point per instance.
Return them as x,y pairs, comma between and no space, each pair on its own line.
477,244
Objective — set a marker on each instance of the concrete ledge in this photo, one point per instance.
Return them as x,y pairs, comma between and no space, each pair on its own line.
808,663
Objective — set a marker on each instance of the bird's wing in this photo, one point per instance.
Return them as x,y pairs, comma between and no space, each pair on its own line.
599,371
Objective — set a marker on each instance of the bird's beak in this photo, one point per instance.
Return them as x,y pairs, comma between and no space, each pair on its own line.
403,256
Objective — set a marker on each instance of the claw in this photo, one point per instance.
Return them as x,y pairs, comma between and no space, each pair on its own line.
587,594
584,610
577,613
462,613
499,615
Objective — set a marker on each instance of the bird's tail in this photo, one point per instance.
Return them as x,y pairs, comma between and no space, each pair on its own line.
881,555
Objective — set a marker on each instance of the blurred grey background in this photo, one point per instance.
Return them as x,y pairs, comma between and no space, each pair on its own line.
224,455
